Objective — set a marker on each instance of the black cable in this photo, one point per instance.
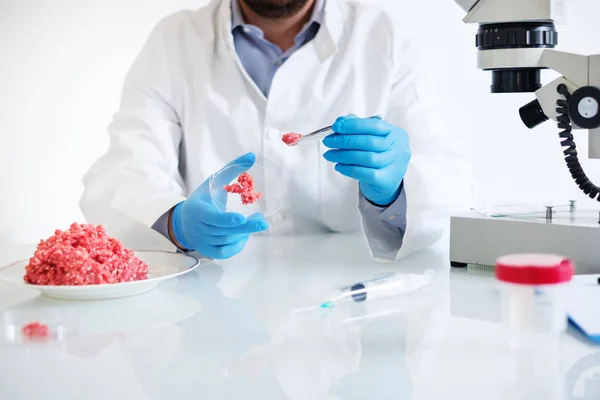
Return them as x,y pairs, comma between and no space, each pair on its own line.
564,123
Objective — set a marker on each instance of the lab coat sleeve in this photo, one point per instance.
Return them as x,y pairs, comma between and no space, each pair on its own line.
137,180
384,227
162,225
438,182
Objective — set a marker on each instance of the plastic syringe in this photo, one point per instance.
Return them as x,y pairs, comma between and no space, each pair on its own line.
388,286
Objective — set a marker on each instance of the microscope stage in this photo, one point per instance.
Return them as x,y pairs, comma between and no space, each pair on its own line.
480,238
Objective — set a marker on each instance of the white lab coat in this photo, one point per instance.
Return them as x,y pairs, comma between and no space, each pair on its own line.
188,108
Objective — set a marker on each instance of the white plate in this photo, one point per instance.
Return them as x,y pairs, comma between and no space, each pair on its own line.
161,266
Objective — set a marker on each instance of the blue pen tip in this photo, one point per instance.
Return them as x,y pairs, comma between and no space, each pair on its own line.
327,305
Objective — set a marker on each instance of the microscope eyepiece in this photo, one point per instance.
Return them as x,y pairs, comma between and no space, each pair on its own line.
516,35
532,114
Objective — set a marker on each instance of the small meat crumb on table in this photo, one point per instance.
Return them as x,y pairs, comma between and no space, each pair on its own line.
291,139
36,330
245,188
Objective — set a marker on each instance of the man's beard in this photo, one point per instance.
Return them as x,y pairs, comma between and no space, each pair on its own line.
275,9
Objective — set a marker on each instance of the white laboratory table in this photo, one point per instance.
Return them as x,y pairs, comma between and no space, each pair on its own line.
233,330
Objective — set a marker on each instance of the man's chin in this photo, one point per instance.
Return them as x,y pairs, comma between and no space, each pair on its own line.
275,9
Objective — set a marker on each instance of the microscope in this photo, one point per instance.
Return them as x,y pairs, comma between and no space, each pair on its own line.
516,41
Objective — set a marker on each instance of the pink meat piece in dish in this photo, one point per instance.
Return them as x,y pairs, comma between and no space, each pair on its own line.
245,188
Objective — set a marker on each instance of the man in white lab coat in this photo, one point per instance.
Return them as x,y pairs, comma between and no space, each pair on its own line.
219,85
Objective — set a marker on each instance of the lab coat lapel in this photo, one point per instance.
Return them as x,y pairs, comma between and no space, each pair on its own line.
326,41
225,45
223,22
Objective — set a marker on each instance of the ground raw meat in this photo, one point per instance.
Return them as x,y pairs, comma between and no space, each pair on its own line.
245,188
291,139
251,197
83,255
36,330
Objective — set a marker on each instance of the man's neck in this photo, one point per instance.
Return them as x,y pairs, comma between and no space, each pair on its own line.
281,32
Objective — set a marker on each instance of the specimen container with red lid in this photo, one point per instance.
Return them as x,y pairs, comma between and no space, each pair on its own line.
533,290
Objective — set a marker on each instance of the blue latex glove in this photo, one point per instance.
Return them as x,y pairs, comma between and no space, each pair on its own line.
372,151
198,225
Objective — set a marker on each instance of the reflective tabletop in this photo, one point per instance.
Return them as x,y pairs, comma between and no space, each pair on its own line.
249,328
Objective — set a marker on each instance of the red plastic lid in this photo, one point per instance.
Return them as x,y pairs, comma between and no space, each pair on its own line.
534,269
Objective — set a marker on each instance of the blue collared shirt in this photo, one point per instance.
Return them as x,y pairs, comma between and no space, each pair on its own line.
261,58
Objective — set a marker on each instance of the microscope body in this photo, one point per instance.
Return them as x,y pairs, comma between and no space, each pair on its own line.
516,42
502,11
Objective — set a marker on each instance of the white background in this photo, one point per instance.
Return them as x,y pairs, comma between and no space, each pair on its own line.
62,64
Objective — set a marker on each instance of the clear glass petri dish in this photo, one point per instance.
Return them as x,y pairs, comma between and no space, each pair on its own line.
268,180
532,211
